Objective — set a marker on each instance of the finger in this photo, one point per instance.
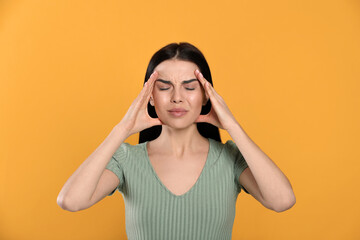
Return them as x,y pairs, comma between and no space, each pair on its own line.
148,87
214,96
202,118
156,121
144,90
207,118
150,82
203,81
153,77
211,88
210,91
200,77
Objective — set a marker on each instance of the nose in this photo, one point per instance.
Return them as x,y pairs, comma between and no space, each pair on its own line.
176,96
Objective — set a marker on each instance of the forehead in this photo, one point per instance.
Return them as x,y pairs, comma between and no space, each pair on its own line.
174,69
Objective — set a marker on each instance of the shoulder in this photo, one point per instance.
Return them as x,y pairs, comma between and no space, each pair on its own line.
227,150
228,144
230,151
127,150
122,152
229,147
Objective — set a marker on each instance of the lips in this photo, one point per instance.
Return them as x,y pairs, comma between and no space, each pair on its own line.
177,112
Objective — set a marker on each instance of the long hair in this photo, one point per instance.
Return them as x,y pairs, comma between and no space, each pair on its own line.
186,52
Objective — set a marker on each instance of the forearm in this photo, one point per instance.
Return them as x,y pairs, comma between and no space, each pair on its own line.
80,187
273,184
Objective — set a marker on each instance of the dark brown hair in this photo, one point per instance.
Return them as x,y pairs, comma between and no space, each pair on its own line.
186,52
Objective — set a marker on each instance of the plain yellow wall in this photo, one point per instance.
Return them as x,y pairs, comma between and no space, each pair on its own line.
288,70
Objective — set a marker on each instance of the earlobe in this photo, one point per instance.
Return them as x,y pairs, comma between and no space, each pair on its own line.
205,101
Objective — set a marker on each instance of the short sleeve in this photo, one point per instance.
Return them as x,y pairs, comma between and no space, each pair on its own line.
116,165
239,164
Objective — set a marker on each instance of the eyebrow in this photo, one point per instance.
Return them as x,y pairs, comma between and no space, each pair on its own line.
183,82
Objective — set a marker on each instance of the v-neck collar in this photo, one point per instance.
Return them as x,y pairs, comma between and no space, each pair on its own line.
158,179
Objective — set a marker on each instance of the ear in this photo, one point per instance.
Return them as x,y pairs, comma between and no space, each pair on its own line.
151,100
206,99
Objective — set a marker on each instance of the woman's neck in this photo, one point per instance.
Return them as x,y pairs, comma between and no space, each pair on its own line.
178,142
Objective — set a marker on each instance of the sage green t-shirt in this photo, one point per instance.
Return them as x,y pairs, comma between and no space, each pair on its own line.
206,211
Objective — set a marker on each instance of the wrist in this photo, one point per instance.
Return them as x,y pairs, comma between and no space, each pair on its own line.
234,127
121,130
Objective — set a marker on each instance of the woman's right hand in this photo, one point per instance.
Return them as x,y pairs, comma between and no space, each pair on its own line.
137,117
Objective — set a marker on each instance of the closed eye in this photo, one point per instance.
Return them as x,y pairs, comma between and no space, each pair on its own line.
162,89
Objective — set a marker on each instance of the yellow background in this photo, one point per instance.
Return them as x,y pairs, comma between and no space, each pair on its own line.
288,70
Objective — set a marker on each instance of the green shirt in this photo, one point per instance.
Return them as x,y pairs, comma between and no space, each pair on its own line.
206,211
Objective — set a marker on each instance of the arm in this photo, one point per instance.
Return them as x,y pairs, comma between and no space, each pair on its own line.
275,188
91,181
264,180
78,190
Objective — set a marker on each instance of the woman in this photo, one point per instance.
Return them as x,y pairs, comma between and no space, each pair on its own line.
180,181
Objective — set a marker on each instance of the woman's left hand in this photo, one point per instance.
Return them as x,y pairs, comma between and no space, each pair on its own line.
219,115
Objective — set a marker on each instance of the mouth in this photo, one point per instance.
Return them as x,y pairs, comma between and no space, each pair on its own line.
178,112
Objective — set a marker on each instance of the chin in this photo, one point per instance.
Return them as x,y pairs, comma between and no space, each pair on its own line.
177,123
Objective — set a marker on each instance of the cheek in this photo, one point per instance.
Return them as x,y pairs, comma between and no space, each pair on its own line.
196,99
159,99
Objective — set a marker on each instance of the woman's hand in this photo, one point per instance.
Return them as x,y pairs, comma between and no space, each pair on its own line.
137,117
219,115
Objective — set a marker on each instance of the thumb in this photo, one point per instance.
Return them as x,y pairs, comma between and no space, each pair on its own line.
202,118
156,121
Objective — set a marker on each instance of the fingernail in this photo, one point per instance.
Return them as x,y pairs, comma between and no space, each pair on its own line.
197,71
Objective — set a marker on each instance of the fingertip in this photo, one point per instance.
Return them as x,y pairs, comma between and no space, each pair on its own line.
154,75
197,72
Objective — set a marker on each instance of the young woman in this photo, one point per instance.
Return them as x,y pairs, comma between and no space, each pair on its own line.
180,181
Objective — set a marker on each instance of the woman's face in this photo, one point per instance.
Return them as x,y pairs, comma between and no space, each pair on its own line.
178,95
